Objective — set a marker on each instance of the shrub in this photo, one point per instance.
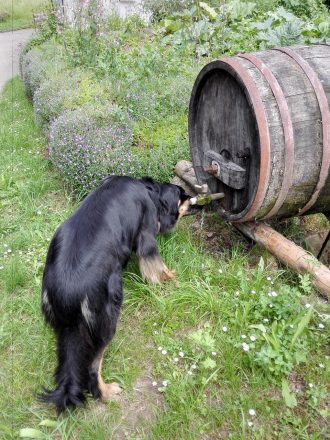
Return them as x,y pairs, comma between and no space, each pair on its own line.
39,64
89,143
68,91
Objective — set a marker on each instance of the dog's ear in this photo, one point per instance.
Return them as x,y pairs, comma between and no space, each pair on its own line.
150,184
164,206
153,190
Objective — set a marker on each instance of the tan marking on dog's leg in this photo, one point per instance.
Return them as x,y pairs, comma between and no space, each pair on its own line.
155,270
108,390
184,208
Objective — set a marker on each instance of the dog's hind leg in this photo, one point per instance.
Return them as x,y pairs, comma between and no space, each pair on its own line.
103,333
98,388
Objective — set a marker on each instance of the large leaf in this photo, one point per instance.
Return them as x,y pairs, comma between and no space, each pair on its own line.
172,26
31,433
209,363
289,398
301,326
49,423
260,327
209,10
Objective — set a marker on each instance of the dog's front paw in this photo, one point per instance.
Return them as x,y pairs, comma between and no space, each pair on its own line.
110,390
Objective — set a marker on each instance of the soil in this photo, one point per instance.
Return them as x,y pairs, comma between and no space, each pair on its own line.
139,409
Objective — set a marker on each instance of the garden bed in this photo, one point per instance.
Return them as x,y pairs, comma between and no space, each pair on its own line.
239,347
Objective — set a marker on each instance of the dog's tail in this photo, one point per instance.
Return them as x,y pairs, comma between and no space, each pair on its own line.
72,373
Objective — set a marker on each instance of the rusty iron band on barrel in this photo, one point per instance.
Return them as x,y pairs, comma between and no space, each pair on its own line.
287,130
325,115
260,115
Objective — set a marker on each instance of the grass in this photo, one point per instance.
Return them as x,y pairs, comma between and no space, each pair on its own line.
20,13
188,334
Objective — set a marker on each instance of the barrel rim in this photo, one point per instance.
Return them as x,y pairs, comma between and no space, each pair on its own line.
252,93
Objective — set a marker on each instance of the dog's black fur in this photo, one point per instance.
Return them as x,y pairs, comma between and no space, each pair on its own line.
82,282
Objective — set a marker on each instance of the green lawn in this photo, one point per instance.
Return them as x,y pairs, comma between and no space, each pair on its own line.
203,358
20,13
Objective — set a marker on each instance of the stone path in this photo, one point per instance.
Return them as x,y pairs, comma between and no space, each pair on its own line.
10,44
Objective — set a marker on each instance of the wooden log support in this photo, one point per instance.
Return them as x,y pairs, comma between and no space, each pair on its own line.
184,169
289,253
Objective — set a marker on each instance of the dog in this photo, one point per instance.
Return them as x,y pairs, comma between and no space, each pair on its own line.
82,289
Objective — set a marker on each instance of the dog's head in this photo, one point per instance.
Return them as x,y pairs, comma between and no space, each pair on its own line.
171,202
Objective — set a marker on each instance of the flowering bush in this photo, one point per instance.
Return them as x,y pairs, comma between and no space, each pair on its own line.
68,91
89,143
39,64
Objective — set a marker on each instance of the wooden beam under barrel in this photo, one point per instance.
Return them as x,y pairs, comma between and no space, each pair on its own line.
288,253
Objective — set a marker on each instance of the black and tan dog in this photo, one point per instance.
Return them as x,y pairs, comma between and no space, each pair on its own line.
82,282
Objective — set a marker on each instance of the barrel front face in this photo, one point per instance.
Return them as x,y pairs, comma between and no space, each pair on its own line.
222,120
263,119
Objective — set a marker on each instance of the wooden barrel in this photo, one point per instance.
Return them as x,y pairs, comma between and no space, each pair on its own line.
259,131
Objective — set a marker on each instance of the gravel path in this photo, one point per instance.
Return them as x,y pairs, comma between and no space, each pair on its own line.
10,44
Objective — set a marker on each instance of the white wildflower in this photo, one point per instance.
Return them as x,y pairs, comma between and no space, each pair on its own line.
160,348
224,329
243,336
220,270
181,354
266,320
252,412
164,351
308,305
321,325
245,346
176,360
321,365
154,383
253,292
253,338
250,423
213,353
165,383
269,278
